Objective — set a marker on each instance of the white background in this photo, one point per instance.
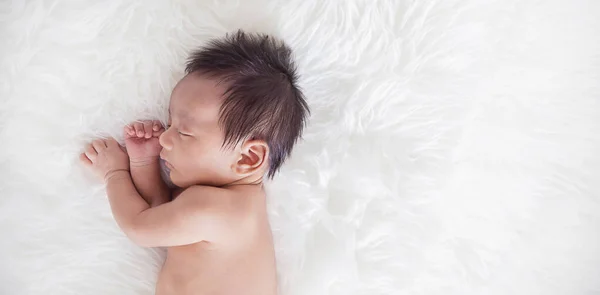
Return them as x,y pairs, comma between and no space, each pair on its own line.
453,147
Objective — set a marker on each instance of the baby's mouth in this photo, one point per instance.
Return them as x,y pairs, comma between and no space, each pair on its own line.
168,165
165,173
164,160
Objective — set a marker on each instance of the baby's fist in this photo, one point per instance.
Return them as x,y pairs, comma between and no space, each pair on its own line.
141,139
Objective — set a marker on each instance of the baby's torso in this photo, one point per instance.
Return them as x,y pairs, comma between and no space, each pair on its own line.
242,264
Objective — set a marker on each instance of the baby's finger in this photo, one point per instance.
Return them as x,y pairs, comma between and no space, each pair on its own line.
139,129
128,130
148,129
91,153
84,160
98,145
111,142
158,133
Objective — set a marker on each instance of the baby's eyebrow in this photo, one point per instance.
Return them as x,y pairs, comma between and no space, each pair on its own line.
183,117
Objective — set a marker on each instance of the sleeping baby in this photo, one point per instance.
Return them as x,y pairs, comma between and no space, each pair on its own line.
233,120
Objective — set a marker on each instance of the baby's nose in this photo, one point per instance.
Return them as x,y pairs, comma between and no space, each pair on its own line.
164,141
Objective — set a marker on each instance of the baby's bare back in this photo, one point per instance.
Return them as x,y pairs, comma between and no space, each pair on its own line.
241,262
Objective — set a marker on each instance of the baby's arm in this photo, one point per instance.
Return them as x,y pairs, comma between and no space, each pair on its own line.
125,201
198,214
145,174
141,141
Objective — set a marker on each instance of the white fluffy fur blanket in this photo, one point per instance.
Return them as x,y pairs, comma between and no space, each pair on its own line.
453,148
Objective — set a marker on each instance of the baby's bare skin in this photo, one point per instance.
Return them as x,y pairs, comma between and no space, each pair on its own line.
215,228
238,261
242,254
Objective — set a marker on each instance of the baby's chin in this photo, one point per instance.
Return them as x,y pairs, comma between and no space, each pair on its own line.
174,180
165,174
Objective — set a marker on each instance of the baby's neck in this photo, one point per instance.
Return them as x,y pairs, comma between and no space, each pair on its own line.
250,180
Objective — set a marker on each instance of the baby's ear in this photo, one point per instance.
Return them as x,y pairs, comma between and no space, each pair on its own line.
253,157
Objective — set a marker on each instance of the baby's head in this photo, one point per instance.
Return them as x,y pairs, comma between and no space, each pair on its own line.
237,113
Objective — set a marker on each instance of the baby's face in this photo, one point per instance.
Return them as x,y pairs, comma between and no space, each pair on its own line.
192,143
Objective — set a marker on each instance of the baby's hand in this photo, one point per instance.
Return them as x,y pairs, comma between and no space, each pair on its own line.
105,157
141,140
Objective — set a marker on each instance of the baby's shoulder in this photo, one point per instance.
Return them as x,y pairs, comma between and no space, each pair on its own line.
247,191
241,208
229,199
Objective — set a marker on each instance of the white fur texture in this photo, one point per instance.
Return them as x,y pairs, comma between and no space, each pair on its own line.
453,147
